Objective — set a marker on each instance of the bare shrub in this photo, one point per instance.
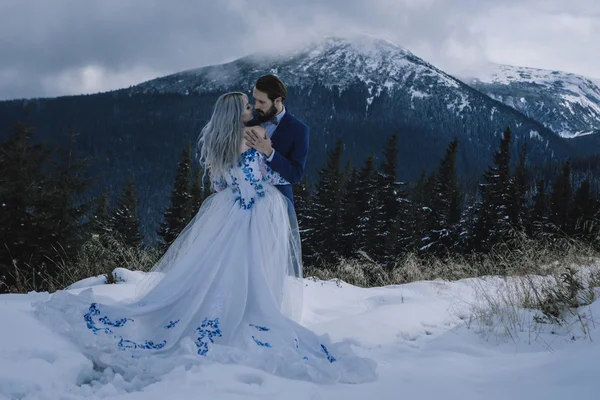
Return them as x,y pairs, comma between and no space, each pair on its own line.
532,304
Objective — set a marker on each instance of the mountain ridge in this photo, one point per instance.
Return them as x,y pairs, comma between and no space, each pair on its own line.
567,103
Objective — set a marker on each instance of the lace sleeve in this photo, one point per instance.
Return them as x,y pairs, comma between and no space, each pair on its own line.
268,174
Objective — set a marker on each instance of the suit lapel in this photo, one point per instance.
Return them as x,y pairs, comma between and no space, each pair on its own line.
281,127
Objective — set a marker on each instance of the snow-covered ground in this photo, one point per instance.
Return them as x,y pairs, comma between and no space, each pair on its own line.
422,335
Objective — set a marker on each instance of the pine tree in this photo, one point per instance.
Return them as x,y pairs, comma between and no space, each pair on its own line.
206,188
389,188
179,213
124,217
303,207
27,233
64,199
351,214
302,195
196,192
370,211
421,215
445,203
368,181
325,228
538,219
583,209
493,221
469,222
518,209
560,200
100,223
393,205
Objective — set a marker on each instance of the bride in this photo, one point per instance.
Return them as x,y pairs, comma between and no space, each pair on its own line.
229,289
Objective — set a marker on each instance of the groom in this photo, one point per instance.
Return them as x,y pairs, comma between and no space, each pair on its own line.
276,133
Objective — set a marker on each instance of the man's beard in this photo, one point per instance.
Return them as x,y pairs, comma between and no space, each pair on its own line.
266,116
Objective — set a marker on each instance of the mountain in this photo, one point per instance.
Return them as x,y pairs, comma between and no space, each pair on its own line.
339,85
567,103
334,62
360,89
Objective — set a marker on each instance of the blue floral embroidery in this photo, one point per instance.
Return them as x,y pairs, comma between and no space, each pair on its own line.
117,323
206,333
262,344
246,205
93,311
171,324
126,344
247,169
147,345
260,191
329,356
249,155
207,330
254,173
247,158
260,328
123,343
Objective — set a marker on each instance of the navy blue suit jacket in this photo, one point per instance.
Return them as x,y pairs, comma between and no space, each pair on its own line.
290,141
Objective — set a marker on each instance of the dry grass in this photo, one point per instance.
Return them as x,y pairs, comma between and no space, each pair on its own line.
519,257
100,255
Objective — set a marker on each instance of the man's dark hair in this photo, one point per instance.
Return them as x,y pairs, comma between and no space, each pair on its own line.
272,86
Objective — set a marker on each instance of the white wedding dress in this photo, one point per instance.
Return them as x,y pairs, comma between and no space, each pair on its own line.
229,289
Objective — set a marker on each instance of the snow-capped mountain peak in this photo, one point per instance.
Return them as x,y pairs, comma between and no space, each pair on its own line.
369,45
377,62
354,52
567,103
332,61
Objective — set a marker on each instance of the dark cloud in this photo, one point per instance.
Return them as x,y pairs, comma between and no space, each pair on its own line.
50,48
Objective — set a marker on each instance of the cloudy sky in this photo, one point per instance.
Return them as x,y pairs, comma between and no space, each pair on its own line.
59,47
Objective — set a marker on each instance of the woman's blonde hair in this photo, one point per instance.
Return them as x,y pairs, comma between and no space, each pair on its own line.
221,138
